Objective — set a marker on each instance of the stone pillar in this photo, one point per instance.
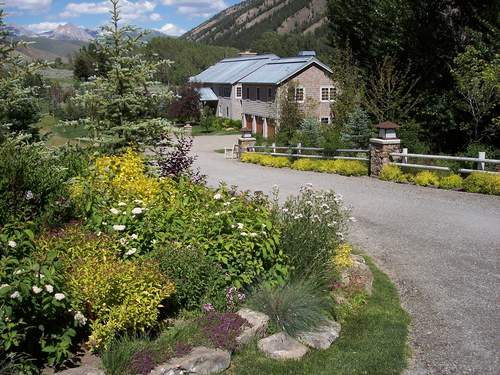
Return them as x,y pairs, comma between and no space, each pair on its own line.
380,150
264,128
188,130
254,125
244,143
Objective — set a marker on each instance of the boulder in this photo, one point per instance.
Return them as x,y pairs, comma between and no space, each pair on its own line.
82,370
321,337
257,326
358,276
282,346
200,360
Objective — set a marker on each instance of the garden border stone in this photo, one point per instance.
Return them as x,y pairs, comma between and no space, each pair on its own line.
282,346
258,325
322,337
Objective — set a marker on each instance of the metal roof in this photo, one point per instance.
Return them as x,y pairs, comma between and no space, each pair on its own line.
231,70
277,70
206,94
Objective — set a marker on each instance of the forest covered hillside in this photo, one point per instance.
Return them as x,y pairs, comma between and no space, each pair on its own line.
245,24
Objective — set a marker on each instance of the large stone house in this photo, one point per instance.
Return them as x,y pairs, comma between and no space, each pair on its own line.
248,88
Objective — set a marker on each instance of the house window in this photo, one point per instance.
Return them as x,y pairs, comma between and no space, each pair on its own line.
328,93
325,120
299,94
258,93
248,92
270,94
239,92
227,92
227,111
221,91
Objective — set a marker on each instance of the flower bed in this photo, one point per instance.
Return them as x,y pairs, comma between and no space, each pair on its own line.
339,166
474,183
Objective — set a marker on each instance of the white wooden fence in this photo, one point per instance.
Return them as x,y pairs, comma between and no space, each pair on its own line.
481,161
309,152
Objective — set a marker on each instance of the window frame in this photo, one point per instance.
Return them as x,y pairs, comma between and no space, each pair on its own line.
257,93
303,94
328,120
240,89
331,97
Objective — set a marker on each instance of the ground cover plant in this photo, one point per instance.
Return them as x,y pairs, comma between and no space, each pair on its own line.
476,182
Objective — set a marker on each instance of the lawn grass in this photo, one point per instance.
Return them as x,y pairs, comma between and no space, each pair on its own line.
374,341
199,130
59,135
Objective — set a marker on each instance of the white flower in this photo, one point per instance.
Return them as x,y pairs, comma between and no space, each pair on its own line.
99,234
29,195
353,219
4,286
217,196
227,203
244,234
41,327
119,227
239,225
137,201
80,318
131,251
114,211
18,272
134,236
298,216
12,243
233,226
324,205
253,234
285,210
59,296
123,241
233,198
122,204
36,289
15,295
309,203
217,214
153,241
49,288
137,211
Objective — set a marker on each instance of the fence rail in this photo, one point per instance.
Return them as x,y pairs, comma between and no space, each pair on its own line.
301,152
481,161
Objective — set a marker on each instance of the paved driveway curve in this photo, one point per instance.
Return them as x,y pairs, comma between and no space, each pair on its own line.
442,248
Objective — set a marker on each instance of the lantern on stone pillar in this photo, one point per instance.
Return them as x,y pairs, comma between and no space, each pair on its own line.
387,130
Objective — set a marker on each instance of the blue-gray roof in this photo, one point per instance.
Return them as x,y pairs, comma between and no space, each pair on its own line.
230,71
206,94
278,70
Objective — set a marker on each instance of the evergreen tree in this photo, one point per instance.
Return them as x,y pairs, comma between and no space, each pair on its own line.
290,114
357,129
119,103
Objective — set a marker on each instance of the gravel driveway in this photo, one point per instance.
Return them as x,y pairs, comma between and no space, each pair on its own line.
442,248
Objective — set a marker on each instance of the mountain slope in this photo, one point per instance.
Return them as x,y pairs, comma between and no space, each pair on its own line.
240,25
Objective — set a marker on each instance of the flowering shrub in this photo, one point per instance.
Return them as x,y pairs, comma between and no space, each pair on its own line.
426,178
342,258
312,225
37,314
234,230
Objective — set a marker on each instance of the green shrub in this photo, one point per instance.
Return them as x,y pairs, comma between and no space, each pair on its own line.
305,164
33,181
453,181
37,315
485,183
392,173
234,230
299,305
426,178
198,278
251,157
274,161
351,167
312,225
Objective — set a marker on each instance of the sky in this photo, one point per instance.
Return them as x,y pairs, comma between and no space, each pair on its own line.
173,17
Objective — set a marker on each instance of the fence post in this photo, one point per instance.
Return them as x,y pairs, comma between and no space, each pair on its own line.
482,156
299,146
274,148
405,158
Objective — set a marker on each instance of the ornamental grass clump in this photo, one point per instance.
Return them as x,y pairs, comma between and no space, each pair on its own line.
300,305
312,225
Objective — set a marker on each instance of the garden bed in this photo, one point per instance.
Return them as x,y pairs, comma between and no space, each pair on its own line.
339,166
